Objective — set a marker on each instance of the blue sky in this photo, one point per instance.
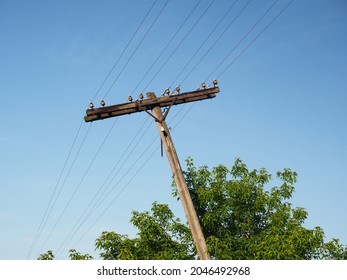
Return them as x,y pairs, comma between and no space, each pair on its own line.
282,104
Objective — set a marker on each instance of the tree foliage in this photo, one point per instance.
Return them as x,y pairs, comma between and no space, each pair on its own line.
73,255
241,217
161,236
46,256
243,220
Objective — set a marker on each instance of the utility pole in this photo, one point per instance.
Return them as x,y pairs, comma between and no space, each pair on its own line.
154,104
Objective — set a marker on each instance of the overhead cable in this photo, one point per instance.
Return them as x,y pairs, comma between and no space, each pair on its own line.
167,45
180,43
50,206
204,42
241,40
124,50
137,47
216,41
263,30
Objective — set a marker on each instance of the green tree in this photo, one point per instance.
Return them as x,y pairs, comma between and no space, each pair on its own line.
243,220
240,216
161,236
46,256
74,255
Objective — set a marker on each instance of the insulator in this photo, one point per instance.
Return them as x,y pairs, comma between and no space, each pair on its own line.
130,98
178,89
102,103
203,84
167,91
215,82
141,96
91,105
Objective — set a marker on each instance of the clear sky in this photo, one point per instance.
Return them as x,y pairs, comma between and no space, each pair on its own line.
282,104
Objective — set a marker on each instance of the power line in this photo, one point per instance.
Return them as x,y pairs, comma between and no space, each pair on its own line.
125,48
204,42
173,52
98,200
167,45
62,186
184,38
215,42
189,15
237,45
80,183
68,173
112,190
45,217
112,86
263,30
125,186
241,40
182,25
137,47
103,196
134,175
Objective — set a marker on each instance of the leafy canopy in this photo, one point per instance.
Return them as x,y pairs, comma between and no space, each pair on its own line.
240,215
161,236
73,255
241,220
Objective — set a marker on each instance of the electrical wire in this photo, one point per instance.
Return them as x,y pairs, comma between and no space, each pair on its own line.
174,51
45,216
62,186
101,192
243,38
204,42
224,70
185,37
167,45
124,50
109,205
263,30
137,47
110,89
99,201
69,171
125,186
79,184
215,42
181,27
50,207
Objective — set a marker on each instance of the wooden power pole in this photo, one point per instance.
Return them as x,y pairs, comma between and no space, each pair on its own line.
154,104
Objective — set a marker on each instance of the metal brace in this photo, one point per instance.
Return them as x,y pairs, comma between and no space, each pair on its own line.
166,112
